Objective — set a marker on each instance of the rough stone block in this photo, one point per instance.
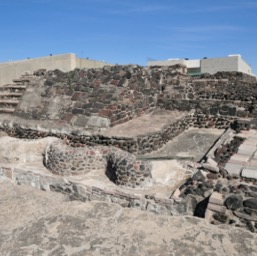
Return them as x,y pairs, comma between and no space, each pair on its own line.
246,150
251,203
240,158
81,121
100,122
234,202
216,198
208,214
234,168
217,208
176,195
76,96
210,168
250,142
250,173
253,163
211,162
245,216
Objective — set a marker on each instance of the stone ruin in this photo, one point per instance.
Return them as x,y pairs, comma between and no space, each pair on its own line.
115,119
120,166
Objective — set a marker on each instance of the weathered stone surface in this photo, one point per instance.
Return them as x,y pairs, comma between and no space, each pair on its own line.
210,167
75,228
216,198
250,173
234,202
251,203
234,168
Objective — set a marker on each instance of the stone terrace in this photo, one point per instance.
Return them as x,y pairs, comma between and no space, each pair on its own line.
139,110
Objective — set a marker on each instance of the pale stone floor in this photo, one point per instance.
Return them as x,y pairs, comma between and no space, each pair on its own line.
150,123
193,143
244,161
167,174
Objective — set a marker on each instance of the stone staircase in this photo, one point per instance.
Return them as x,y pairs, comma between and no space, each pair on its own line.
11,94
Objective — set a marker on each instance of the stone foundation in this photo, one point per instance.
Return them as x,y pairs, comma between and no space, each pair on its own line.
124,169
61,159
121,167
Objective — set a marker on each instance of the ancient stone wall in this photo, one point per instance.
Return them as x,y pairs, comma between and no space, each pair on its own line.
120,166
230,94
76,191
140,144
96,97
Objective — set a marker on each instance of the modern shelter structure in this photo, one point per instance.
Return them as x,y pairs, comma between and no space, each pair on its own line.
229,63
64,62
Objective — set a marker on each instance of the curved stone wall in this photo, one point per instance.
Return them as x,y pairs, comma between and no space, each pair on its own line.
121,167
64,160
124,169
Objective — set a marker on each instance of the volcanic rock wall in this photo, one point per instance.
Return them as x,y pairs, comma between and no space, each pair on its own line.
95,97
99,98
225,93
120,166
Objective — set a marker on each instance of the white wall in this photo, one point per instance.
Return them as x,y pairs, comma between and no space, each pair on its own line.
193,63
87,63
166,62
215,65
15,69
63,62
244,67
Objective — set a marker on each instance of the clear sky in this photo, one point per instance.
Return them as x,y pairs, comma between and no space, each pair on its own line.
129,32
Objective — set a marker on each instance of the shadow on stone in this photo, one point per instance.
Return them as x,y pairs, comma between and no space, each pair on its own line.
201,208
111,170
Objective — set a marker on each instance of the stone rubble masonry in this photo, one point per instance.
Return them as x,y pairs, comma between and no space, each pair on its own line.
120,166
109,96
124,169
119,195
141,144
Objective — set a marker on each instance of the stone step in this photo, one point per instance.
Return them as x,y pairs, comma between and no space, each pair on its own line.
13,88
9,102
10,94
7,110
21,80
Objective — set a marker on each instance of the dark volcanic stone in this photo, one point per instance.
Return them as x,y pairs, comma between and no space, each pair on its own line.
49,82
253,188
77,111
212,176
221,217
243,187
198,176
251,203
188,191
208,184
233,202
218,187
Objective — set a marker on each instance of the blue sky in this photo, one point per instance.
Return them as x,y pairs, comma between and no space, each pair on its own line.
129,32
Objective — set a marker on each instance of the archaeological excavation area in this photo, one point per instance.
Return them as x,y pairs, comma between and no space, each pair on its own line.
181,150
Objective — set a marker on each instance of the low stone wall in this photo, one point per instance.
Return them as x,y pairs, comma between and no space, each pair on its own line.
61,159
124,169
141,201
222,198
138,145
120,166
